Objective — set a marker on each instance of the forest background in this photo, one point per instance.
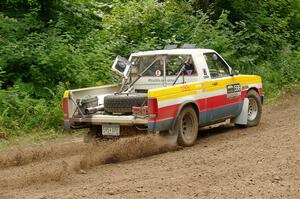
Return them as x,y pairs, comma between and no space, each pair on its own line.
47,46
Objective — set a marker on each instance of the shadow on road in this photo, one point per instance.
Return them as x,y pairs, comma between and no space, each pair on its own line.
212,131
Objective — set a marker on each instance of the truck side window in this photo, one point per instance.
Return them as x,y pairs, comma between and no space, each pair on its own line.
217,67
157,68
174,65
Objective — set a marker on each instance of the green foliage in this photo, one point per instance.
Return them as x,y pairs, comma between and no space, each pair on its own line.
47,46
22,113
1,77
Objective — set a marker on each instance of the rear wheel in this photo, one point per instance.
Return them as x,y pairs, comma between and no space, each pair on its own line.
187,127
254,109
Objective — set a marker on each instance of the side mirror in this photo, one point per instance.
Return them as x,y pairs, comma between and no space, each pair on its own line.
234,72
121,66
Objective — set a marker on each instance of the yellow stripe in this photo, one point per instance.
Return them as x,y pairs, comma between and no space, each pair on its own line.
184,90
153,93
176,95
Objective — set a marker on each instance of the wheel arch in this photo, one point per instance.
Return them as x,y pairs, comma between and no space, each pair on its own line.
253,88
182,106
259,93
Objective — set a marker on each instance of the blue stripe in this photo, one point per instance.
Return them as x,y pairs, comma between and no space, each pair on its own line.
205,117
209,116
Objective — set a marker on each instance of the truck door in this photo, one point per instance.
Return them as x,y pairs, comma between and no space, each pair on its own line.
222,90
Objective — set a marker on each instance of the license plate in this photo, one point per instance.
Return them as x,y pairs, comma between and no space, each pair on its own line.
111,130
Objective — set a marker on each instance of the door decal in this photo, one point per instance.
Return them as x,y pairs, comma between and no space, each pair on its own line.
233,90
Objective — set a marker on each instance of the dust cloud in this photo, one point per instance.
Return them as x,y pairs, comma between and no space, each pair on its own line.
40,164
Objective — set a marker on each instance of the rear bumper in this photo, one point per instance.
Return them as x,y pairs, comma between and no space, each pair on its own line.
127,120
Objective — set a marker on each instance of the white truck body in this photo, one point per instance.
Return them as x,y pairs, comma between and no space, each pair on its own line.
211,91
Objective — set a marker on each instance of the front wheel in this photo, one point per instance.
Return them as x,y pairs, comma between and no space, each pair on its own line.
187,127
254,109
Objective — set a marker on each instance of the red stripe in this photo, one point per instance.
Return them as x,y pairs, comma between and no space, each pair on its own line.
212,103
218,101
260,91
244,93
167,112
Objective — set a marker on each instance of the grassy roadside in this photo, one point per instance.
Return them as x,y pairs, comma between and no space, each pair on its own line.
36,136
274,97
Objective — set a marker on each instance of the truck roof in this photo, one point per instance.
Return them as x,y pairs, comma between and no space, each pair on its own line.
173,52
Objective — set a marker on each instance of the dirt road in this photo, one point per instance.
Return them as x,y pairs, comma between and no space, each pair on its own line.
226,162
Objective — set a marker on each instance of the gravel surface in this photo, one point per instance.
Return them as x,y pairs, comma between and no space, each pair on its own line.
226,162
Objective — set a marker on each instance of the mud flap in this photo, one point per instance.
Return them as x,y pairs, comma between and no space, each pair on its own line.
242,118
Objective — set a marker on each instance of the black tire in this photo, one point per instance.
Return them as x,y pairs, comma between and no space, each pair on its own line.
187,127
123,103
255,106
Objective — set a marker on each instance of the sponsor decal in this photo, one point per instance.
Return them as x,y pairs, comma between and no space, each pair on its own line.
184,88
189,72
159,80
233,90
155,80
157,73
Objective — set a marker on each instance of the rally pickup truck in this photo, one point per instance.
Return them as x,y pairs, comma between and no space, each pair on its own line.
172,91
